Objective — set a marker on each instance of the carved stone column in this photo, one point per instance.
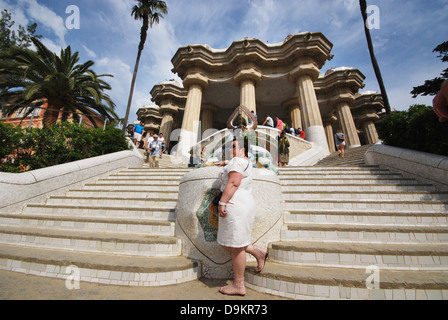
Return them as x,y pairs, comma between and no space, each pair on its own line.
293,107
303,76
365,113
347,125
207,117
248,78
171,98
168,112
370,132
196,83
342,85
328,126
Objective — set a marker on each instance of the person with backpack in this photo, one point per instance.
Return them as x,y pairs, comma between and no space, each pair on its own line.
339,139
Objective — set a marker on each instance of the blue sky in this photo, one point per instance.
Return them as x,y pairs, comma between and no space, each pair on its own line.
108,35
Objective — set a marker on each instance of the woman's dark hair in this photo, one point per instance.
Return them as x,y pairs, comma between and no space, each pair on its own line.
246,144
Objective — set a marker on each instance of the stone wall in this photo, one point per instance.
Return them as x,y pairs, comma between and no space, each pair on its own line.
16,189
425,167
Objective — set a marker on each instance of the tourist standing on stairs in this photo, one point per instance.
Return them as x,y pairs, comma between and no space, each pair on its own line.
155,149
283,149
339,139
236,216
138,132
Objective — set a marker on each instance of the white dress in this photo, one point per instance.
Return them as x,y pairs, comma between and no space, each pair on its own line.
235,230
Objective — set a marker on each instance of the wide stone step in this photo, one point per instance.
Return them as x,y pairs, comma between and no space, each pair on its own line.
436,218
347,169
89,223
365,195
332,176
304,187
116,243
114,201
359,255
144,169
142,188
156,213
347,180
137,182
300,282
155,193
148,175
356,233
100,268
368,204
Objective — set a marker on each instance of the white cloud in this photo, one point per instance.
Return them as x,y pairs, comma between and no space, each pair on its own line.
91,54
46,17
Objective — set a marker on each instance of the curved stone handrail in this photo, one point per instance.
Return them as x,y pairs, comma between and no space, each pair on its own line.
17,188
425,166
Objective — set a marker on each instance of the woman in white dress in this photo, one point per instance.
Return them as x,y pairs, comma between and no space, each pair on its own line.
237,213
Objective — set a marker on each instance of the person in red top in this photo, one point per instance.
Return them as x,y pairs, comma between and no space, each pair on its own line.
279,124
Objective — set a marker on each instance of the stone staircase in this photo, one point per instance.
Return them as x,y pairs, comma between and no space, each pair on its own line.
119,230
350,232
352,157
357,232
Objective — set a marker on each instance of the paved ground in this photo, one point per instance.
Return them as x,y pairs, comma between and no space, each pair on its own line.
16,286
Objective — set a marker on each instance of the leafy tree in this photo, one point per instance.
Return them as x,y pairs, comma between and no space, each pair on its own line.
10,141
9,37
149,11
417,128
27,77
35,148
432,87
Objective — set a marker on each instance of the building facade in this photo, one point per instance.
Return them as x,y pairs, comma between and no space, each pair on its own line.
36,117
281,80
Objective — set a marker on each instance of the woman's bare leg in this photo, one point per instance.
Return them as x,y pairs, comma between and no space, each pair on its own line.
259,254
237,287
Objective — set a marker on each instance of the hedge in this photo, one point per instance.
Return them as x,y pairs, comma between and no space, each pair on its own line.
34,148
417,129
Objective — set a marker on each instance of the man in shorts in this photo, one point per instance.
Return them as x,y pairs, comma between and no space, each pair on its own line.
138,132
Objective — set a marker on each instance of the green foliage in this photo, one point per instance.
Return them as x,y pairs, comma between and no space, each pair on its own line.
35,148
10,140
432,87
29,77
416,129
9,37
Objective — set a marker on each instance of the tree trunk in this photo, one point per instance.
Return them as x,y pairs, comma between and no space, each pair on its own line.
143,35
51,115
376,68
131,93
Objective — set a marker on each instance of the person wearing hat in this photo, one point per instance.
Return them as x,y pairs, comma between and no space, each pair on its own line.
154,149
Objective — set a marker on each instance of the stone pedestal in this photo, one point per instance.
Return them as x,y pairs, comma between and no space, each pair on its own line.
217,262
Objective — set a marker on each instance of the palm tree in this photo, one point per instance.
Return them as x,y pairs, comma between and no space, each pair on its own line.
149,11
28,77
376,68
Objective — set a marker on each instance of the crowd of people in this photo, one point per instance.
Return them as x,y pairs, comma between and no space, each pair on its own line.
283,126
154,144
